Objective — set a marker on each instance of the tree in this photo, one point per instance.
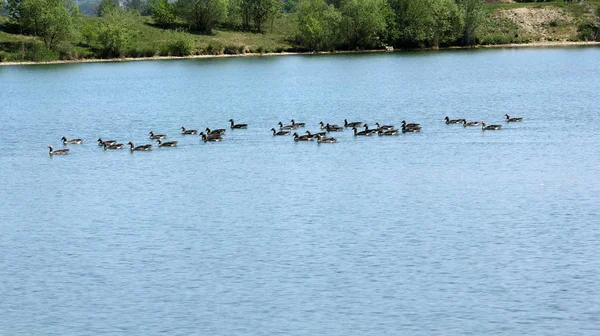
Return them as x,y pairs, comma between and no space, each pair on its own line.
137,5
163,12
472,13
51,20
363,22
112,35
447,22
413,22
255,13
105,6
202,14
318,24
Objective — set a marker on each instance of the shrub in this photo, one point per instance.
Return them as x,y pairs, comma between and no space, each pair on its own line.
214,48
180,44
233,50
40,53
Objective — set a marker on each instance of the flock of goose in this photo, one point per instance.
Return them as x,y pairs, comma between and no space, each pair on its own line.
216,135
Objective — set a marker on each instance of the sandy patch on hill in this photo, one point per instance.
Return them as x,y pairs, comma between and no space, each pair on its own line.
536,21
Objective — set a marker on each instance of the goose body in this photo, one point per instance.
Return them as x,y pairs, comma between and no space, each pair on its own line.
509,119
384,127
302,137
58,151
294,123
410,129
234,125
389,132
156,136
315,135
139,148
410,125
185,131
280,133
490,127
71,142
113,146
361,133
454,121
370,131
107,142
286,127
352,124
323,139
333,128
219,131
166,144
211,137
470,123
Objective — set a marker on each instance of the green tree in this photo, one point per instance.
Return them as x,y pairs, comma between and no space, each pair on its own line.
318,24
163,12
447,22
363,23
113,34
255,13
137,5
202,14
413,22
472,13
105,6
51,20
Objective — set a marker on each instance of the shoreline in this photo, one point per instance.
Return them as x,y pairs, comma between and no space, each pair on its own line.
539,44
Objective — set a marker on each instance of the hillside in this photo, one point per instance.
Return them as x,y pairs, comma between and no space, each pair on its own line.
503,23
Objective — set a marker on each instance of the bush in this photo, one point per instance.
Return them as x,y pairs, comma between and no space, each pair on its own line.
214,48
3,56
588,32
143,51
37,52
234,49
179,44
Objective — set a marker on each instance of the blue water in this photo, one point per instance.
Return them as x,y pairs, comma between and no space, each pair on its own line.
451,231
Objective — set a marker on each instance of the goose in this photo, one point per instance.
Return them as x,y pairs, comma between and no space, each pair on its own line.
58,151
275,133
107,142
410,129
356,132
389,132
156,136
410,125
454,121
302,137
333,128
316,135
489,127
352,124
113,146
71,142
372,130
139,148
470,123
166,144
286,127
211,137
234,125
219,131
323,139
185,131
509,119
384,127
297,124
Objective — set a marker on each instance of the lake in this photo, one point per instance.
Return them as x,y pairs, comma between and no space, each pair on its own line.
450,231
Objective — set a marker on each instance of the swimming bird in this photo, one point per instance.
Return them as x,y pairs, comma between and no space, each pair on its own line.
58,151
333,128
286,127
185,131
166,144
113,146
509,119
275,133
352,124
234,125
302,137
219,131
470,123
315,135
410,129
410,125
384,127
71,142
108,142
489,127
156,136
389,132
370,131
139,148
211,137
297,124
323,139
357,133
454,121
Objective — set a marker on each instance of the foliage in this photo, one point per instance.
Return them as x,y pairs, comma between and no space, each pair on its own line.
179,44
447,22
472,14
51,20
163,12
202,14
289,6
104,6
318,25
363,23
255,13
137,5
112,35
